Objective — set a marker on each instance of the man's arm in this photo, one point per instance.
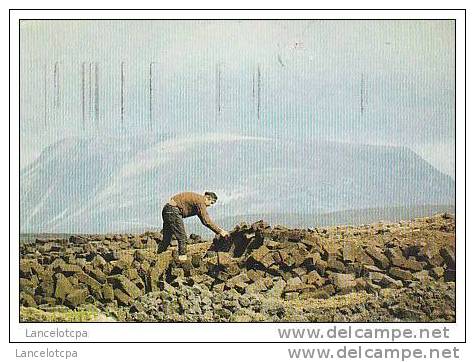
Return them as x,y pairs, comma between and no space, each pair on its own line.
206,220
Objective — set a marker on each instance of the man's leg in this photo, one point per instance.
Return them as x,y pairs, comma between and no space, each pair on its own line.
166,240
166,230
178,229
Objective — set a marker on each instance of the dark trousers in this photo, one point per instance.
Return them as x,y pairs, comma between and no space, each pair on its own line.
173,225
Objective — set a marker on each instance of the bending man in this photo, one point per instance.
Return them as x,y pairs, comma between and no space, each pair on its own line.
183,205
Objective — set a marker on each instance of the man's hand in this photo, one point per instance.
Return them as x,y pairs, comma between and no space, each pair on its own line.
224,234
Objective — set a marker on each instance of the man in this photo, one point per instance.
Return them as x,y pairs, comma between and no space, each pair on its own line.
183,205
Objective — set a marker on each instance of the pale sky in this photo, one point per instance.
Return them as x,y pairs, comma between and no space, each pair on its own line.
311,75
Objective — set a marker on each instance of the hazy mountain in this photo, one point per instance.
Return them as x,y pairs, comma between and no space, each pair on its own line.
121,184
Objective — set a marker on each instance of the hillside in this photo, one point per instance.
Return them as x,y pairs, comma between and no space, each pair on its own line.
393,272
345,217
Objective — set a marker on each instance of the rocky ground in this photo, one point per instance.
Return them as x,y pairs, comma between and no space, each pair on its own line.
378,272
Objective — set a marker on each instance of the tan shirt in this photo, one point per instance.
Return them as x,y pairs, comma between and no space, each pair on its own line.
191,204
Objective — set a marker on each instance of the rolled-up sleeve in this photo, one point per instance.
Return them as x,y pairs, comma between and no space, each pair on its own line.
206,220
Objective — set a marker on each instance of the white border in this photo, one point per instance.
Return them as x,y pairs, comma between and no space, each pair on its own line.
226,332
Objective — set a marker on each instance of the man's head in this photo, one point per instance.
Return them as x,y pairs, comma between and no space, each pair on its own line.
210,198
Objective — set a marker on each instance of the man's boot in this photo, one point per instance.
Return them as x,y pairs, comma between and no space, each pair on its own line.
182,258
